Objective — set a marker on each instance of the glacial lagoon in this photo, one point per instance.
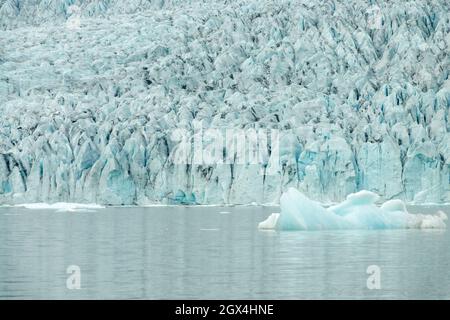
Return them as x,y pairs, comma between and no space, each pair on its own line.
212,253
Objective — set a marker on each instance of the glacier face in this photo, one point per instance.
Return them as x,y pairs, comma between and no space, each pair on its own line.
91,91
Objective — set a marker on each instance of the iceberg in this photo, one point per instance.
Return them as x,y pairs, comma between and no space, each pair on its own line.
358,211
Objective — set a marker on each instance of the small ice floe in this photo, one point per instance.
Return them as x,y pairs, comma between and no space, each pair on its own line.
358,211
270,222
62,207
224,212
209,229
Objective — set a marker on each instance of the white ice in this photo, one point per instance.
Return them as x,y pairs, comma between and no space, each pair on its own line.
62,207
358,211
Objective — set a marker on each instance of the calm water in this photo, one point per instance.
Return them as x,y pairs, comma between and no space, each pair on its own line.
200,253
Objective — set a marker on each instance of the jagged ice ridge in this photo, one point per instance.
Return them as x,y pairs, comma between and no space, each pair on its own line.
359,91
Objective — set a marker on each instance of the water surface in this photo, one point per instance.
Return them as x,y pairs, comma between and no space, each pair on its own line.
211,253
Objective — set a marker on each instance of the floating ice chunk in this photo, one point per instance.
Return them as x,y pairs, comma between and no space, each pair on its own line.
442,215
432,221
358,211
270,222
62,206
394,205
362,197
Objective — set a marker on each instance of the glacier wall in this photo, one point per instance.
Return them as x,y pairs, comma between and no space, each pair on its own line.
91,91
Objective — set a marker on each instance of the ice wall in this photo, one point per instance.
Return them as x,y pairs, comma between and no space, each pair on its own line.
359,91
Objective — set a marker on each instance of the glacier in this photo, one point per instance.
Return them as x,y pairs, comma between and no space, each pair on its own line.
91,91
358,211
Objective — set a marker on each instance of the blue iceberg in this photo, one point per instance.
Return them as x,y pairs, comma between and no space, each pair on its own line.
358,211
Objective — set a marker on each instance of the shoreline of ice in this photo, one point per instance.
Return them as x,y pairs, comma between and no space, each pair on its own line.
358,211
61,206
43,205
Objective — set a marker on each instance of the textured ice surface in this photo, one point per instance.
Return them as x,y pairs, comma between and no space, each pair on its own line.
359,91
358,211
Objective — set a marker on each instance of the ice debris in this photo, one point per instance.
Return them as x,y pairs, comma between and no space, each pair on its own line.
62,207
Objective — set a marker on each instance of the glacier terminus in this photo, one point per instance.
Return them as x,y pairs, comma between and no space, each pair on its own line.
92,91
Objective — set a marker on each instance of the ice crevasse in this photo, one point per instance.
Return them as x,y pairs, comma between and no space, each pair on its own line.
358,211
358,90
